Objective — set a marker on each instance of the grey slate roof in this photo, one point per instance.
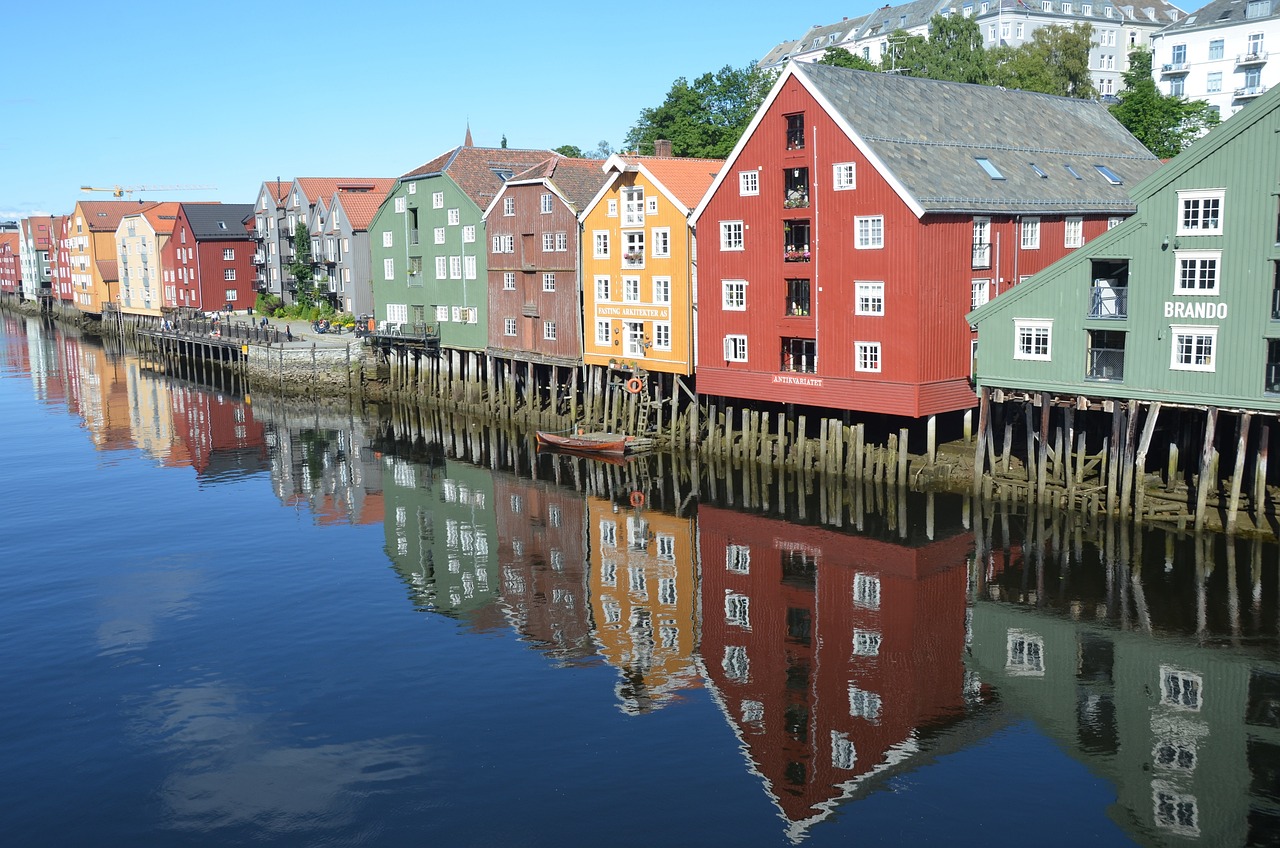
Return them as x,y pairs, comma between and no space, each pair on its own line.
218,221
928,134
885,20
1219,13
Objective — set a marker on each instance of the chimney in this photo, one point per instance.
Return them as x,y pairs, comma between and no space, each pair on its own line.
661,147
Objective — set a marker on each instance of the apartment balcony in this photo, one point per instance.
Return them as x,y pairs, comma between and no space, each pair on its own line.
1250,91
1257,57
1174,69
1272,385
1109,302
1105,364
259,259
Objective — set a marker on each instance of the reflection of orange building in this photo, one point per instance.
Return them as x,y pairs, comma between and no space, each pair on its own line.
643,597
219,432
542,552
103,395
829,651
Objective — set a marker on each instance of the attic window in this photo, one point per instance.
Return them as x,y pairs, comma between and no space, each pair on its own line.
504,174
1072,172
222,225
1110,175
992,171
1039,171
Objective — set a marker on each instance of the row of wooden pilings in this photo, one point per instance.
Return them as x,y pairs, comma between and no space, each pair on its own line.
1058,470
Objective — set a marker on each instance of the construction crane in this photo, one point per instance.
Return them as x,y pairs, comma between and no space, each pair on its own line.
121,191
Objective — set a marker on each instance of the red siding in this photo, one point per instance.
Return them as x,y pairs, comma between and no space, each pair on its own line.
925,265
529,304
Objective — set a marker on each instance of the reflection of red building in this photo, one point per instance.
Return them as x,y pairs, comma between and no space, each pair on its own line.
829,651
542,553
219,432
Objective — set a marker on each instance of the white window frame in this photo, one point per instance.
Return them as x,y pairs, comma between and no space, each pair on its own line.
508,280
545,204
866,643
611,209
633,206
1030,234
600,244
437,200
468,234
1199,257
662,335
867,295
1179,332
442,267
401,203
1073,232
455,217
604,332
733,295
508,326
469,270
438,235
661,289
1024,653
1025,334
389,268
548,242
1186,198
388,238
548,331
455,267
748,183
603,287
868,232
508,207
562,242
651,205
732,236
735,348
866,357
866,590
630,289
661,242
228,253
844,176
1174,689
979,293
548,281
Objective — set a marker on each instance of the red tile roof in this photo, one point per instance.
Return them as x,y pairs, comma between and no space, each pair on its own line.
475,169
316,188
105,215
360,208
687,179
162,217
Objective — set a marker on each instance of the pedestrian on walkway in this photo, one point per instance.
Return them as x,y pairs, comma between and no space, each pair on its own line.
288,333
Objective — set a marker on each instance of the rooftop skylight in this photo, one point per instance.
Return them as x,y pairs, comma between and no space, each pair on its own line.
992,170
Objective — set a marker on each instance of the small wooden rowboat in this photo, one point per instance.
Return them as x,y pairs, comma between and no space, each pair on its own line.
607,444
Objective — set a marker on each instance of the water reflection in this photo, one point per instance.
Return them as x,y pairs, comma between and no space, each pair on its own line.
846,636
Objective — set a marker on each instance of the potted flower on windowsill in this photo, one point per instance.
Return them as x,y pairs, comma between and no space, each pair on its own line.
797,202
795,255
633,257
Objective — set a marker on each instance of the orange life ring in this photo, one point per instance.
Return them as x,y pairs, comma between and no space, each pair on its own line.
634,385
637,499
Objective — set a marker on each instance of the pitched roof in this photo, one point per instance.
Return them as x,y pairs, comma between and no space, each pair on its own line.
105,215
904,16
931,136
686,179
360,208
109,269
578,180
278,189
218,221
324,187
476,169
162,216
1219,13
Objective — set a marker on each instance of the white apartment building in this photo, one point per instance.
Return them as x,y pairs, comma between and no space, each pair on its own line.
1219,54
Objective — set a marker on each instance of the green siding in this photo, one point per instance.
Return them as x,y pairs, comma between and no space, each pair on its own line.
1241,159
431,292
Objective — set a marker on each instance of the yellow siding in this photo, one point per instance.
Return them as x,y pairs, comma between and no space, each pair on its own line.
637,316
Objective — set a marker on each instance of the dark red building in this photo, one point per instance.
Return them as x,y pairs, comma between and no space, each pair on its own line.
60,260
535,306
10,264
208,261
862,215
827,651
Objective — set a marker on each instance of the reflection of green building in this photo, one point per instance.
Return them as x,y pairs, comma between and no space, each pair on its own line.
1188,734
442,537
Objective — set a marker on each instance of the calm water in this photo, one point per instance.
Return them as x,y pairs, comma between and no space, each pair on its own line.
228,621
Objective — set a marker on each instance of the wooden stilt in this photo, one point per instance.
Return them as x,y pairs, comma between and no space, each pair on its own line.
1140,460
1237,476
1206,457
984,423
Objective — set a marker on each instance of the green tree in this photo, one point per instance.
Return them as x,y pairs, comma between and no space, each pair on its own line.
841,58
300,267
704,118
955,50
573,151
1165,123
1054,61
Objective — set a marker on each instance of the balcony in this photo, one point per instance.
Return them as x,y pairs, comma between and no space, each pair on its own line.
1255,57
634,259
982,255
1105,364
1174,69
413,236
1109,302
259,259
796,188
1250,91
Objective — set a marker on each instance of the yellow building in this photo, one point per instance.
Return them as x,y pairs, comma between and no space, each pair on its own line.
638,263
140,237
644,599
91,249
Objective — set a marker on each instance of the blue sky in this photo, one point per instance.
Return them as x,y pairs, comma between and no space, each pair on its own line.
230,94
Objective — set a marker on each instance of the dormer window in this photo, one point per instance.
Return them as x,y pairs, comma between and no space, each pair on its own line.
503,174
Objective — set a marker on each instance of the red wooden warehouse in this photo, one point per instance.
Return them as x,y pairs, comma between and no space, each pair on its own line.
208,261
862,215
